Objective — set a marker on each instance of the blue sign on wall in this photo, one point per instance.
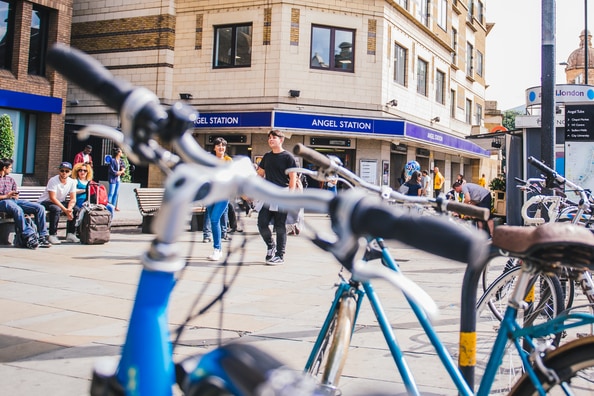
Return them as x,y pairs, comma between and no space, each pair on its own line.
233,120
26,101
316,122
436,137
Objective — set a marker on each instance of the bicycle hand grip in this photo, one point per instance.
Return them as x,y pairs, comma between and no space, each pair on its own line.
432,234
519,180
312,156
468,210
541,166
89,74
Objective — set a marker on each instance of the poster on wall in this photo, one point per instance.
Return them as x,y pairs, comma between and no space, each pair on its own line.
579,145
386,173
369,171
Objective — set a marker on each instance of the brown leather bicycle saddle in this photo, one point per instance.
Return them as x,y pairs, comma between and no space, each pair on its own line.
551,243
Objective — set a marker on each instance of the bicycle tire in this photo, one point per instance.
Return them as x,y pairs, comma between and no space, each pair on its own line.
495,296
495,268
574,364
546,304
332,354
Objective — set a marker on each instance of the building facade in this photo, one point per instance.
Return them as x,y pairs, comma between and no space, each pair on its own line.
376,83
30,93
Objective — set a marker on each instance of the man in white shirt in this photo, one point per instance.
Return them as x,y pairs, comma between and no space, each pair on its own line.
60,197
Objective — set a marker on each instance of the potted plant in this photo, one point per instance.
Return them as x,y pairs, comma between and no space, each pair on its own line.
497,185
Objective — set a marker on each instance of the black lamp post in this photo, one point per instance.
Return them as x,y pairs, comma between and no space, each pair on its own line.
587,43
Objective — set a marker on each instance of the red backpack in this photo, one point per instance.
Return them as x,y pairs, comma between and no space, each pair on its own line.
98,193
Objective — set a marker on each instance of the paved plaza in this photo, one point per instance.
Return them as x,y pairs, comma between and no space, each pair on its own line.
64,308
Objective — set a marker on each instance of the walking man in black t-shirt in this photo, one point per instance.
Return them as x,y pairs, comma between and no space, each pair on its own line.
272,168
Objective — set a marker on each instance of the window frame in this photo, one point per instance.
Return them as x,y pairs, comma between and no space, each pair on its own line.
469,59
468,111
454,45
440,86
442,14
480,61
9,23
422,77
235,30
479,114
402,68
38,47
453,103
332,30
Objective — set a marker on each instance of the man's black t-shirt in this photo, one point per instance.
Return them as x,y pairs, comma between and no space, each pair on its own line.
274,166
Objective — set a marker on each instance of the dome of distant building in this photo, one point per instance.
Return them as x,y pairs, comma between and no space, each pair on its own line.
574,70
576,59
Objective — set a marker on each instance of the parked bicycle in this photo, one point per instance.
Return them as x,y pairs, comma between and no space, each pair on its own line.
146,365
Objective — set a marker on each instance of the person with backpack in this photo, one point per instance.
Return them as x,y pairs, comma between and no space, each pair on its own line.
28,234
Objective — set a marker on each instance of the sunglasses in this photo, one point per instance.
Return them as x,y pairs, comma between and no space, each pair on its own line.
83,170
64,170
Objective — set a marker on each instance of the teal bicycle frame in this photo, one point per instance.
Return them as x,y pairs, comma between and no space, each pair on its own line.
462,376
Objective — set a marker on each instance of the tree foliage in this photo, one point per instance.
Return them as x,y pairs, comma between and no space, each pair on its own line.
6,137
509,119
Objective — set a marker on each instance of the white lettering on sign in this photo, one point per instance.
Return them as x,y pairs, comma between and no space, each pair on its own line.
432,136
324,123
201,121
224,121
356,125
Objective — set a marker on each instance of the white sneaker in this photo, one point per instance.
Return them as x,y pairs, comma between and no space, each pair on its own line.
72,238
54,240
216,255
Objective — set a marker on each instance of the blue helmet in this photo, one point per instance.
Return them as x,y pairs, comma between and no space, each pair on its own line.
410,167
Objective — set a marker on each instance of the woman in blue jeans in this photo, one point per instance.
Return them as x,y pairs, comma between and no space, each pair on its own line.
216,210
115,170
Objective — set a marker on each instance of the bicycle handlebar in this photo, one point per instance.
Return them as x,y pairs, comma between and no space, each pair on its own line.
327,166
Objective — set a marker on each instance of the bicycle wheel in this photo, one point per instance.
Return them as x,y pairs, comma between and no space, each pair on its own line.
332,354
495,268
574,365
544,301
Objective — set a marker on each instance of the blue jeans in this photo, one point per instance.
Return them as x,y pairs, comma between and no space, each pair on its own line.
215,211
206,226
114,190
17,208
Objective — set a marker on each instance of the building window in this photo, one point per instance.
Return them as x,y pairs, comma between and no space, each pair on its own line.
479,114
400,61
422,77
440,87
480,12
423,12
453,103
468,111
332,48
479,63
442,14
6,33
233,46
470,10
454,46
403,3
39,39
469,59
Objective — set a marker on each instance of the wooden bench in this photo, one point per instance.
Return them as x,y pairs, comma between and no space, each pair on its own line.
26,193
149,201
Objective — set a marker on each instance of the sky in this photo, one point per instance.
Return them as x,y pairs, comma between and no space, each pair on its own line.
513,53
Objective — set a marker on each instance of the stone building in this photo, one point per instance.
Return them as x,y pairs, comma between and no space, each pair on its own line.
574,70
376,83
30,93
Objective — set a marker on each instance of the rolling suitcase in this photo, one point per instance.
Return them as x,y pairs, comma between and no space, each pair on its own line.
94,228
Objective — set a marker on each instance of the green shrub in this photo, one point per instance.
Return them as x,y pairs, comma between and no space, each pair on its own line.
126,176
498,183
6,137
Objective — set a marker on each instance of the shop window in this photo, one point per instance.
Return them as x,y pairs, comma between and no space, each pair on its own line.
25,135
39,39
232,46
6,33
332,49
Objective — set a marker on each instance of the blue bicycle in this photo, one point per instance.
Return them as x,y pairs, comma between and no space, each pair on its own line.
146,365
